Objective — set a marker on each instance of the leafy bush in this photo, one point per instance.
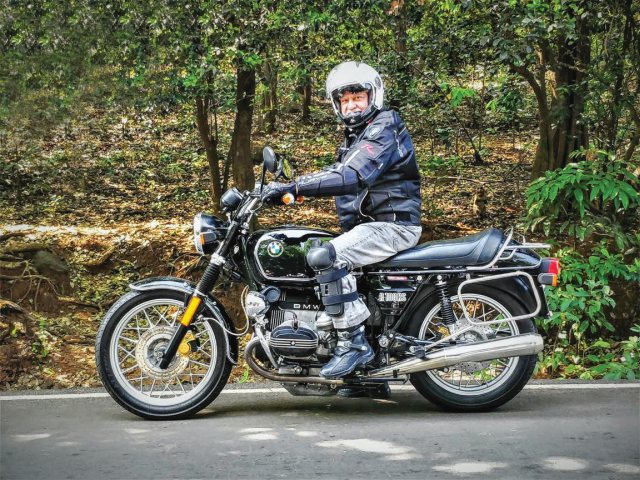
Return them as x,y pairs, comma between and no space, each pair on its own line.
581,302
586,199
609,360
590,211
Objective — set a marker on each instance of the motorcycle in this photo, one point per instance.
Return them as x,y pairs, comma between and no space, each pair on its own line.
453,317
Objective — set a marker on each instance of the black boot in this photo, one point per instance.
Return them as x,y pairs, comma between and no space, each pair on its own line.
352,351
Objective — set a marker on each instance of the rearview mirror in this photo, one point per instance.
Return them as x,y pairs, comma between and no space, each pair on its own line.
270,159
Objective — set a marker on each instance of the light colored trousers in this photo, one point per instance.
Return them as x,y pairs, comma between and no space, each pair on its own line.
365,244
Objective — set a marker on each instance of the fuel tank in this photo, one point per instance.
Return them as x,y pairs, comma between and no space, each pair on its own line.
279,255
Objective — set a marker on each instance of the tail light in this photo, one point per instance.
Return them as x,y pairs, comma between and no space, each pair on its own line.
549,271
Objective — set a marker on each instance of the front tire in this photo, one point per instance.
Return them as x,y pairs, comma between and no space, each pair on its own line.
475,386
130,342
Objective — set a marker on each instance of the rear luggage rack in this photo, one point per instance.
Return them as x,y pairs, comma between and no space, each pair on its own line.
508,250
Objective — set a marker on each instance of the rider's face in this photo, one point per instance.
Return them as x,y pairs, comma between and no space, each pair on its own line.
354,102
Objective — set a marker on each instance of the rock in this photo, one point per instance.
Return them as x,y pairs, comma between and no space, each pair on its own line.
46,262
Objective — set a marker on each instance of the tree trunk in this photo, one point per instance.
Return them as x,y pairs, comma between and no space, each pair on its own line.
562,128
271,97
403,75
240,150
210,143
305,91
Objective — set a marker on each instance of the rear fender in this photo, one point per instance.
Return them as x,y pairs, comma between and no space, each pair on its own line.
520,289
214,306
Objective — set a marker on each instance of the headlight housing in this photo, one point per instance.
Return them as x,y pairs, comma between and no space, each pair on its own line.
208,230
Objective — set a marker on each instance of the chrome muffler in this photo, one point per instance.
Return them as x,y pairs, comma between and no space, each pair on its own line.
527,344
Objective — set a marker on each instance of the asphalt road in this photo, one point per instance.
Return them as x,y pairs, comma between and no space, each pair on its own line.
547,432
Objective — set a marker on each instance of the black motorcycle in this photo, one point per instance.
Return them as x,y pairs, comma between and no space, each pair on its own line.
453,317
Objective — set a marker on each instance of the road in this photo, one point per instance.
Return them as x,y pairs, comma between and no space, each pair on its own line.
549,431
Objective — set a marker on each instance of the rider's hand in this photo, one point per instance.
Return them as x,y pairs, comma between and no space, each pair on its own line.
273,192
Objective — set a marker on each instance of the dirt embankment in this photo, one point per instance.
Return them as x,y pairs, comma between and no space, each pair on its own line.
57,283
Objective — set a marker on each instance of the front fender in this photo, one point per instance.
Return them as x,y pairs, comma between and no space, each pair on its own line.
217,310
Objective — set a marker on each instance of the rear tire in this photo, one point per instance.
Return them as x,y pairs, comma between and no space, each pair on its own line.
136,328
438,386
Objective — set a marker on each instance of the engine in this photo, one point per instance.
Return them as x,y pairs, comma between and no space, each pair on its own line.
294,339
294,332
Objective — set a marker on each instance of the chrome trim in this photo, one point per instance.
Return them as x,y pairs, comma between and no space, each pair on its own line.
298,343
490,278
259,334
218,259
516,346
415,272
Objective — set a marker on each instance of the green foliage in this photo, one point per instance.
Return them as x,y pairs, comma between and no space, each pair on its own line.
604,359
440,164
583,300
585,199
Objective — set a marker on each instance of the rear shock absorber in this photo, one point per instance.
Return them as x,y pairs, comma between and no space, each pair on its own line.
448,316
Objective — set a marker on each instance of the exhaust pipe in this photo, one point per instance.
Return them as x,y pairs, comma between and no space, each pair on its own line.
528,344
276,377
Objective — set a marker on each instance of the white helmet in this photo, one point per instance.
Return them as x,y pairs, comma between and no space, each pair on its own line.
355,77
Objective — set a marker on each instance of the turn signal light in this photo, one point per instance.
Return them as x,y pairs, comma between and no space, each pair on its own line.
548,279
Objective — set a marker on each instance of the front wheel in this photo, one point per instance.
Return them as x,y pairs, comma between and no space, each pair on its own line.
475,386
130,343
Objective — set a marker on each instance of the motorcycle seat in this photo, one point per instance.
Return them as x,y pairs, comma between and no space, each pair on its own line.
467,251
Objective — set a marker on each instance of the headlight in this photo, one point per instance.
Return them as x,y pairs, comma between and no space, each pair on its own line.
207,231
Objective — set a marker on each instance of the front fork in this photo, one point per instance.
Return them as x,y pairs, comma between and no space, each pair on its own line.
205,285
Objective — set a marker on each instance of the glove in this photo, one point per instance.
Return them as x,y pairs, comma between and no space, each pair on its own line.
273,192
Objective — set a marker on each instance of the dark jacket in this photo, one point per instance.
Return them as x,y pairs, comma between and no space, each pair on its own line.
375,177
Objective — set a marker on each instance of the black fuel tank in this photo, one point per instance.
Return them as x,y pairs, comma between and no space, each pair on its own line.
279,255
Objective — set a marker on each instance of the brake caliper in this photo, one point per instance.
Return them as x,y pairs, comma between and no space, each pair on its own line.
189,344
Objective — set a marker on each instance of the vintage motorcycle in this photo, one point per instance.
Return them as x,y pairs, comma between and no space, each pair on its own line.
453,317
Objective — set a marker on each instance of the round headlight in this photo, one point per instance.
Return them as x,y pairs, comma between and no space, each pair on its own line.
207,230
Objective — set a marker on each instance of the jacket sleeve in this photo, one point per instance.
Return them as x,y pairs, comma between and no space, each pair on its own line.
378,149
333,181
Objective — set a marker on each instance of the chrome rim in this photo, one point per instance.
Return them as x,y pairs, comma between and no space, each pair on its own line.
137,345
473,378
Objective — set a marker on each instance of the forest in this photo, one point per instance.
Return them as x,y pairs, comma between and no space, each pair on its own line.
120,120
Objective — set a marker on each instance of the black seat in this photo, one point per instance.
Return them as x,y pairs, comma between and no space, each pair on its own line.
471,250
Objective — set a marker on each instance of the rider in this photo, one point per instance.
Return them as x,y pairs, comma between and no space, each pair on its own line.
376,182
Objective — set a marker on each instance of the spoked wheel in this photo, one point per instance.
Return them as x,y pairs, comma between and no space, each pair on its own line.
130,345
475,386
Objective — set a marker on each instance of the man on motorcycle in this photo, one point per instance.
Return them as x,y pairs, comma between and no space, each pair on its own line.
376,182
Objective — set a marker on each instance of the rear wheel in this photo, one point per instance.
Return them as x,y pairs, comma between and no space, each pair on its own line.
475,386
129,346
